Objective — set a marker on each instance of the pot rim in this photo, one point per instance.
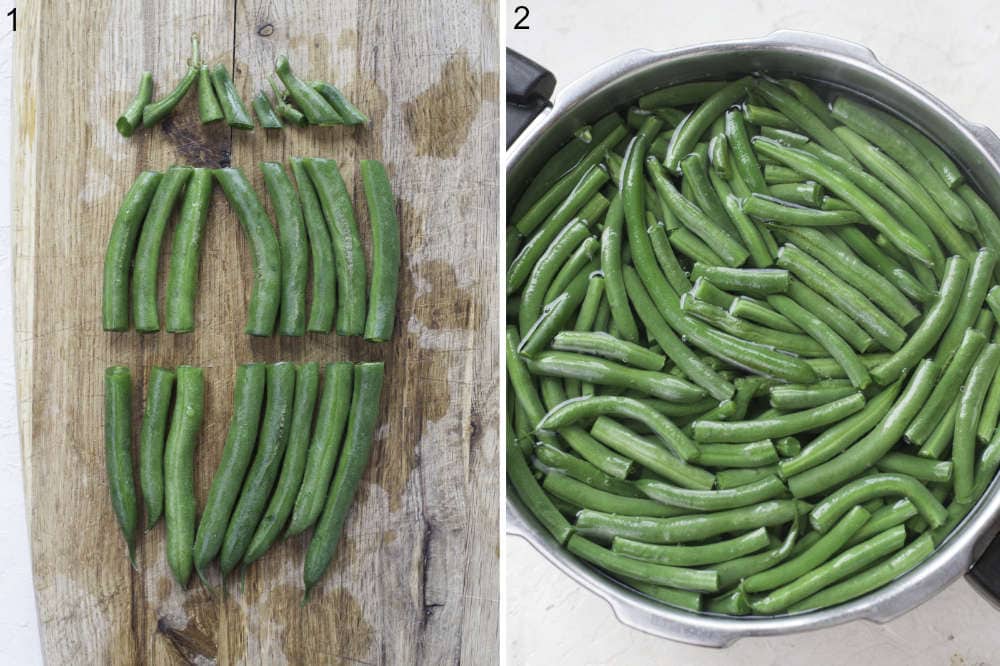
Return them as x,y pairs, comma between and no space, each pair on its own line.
951,559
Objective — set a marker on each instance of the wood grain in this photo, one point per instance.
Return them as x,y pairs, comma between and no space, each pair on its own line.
415,578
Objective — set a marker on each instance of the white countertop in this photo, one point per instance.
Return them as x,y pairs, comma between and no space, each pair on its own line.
953,53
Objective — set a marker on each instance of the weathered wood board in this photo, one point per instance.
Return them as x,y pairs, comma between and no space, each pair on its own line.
415,578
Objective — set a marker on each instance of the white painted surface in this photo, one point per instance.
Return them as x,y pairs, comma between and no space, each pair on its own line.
949,49
19,642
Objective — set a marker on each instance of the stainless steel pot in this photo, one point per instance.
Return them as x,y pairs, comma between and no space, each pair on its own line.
973,549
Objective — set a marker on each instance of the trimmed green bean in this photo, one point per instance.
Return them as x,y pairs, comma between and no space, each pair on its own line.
791,397
970,403
778,426
769,487
118,452
694,126
657,574
650,455
834,506
922,469
969,305
323,306
750,454
775,210
584,496
693,555
756,281
384,289
185,257
152,439
609,347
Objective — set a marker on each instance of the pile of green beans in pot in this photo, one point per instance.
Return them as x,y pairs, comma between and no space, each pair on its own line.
279,472
752,349
316,220
301,103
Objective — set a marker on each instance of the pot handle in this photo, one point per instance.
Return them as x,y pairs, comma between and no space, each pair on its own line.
985,573
529,87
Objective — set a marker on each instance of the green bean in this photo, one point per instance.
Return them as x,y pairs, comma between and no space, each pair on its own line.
875,129
718,156
827,368
292,241
229,99
147,252
990,411
680,94
588,309
609,347
787,137
769,487
274,433
841,186
750,454
703,290
323,306
611,266
803,194
946,387
694,248
970,402
384,289
289,485
350,469
832,343
870,253
650,455
825,547
685,529
867,451
236,455
833,203
523,385
582,495
762,115
848,267
778,426
744,158
695,220
931,328
882,573
694,126
774,210
760,312
801,115
750,235
840,567
985,322
131,117
532,495
121,249
657,574
969,305
180,507
607,373
730,603
154,112
726,479
582,470
312,103
923,469
704,193
185,256
152,438
579,440
265,297
556,314
348,253
575,410
989,223
693,555
584,202
776,174
349,114
835,505
788,447
284,109
677,410
667,595
118,452
803,396
756,281
734,571
572,190
795,343
209,109
896,207
321,457
575,262
265,112
666,259
865,313
810,100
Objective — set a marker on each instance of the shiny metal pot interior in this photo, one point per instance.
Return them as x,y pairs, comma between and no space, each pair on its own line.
834,62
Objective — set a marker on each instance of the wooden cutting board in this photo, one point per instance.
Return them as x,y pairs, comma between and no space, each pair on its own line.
415,577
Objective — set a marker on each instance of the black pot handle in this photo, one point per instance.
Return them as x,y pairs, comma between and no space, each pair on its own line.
529,87
985,573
